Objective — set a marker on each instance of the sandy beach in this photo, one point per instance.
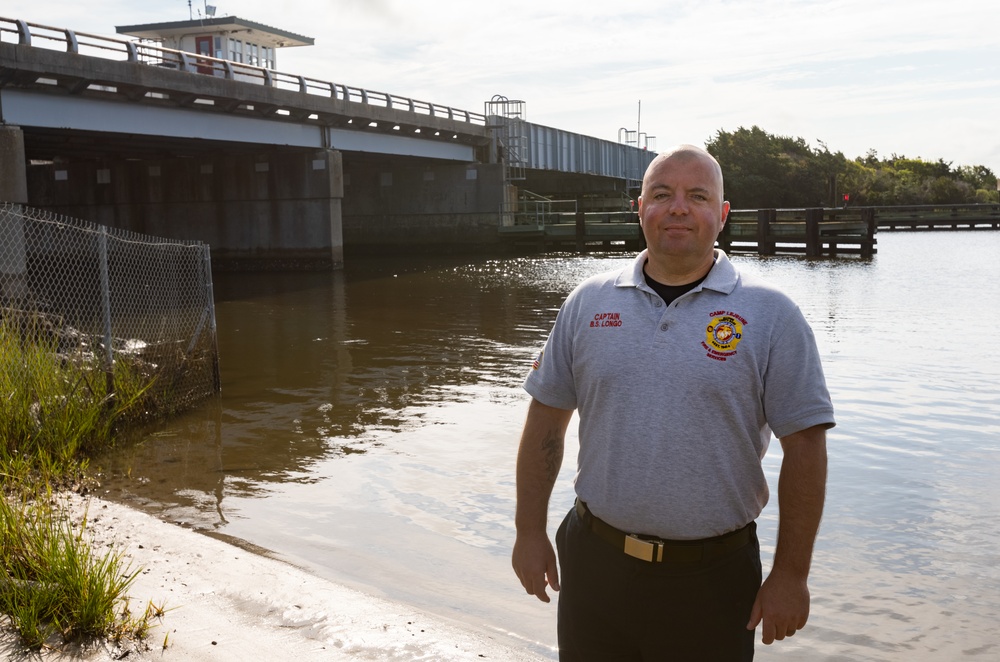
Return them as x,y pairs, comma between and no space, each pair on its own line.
223,602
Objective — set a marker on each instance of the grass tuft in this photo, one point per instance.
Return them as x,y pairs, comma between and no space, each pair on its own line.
55,585
57,405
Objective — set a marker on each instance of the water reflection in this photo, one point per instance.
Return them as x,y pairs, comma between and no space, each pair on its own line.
369,420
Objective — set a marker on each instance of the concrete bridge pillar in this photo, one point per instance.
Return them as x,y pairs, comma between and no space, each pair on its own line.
13,174
13,189
335,171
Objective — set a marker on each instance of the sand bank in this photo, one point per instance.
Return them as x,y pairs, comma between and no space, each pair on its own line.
225,603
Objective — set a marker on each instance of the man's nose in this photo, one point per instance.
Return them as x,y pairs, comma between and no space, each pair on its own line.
678,205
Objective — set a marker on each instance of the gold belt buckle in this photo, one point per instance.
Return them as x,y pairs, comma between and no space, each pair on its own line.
646,550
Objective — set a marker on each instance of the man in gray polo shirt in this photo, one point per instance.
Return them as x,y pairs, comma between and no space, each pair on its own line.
680,368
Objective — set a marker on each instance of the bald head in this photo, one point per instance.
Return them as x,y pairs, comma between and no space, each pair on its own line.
681,212
685,154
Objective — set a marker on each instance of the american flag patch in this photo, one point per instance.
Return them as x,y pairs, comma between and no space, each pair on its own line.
538,362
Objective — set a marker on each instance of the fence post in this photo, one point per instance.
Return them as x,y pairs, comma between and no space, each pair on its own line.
210,303
813,246
109,359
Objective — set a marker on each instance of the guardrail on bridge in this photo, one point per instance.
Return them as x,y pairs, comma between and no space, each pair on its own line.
124,50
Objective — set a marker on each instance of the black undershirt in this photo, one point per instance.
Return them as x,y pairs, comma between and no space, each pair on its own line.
670,292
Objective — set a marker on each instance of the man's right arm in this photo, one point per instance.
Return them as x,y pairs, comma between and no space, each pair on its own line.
538,461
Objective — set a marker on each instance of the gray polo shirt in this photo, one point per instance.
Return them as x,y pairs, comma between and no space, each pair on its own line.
677,403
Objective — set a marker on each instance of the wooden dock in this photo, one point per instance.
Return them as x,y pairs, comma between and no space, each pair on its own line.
939,217
813,232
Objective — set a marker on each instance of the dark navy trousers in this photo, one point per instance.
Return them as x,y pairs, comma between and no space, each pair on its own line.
615,608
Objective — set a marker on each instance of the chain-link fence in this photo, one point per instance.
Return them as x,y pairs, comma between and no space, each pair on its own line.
136,307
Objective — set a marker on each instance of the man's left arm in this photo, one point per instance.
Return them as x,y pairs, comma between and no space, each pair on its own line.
782,603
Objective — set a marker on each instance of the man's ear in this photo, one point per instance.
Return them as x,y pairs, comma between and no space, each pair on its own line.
725,214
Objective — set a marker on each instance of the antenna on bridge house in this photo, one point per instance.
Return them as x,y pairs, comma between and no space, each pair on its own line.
209,10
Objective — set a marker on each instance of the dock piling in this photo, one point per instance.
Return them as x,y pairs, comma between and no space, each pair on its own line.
868,246
765,242
813,246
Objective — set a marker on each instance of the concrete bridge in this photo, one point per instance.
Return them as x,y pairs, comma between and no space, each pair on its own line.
275,169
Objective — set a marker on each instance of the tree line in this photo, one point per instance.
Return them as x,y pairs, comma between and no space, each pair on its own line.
768,171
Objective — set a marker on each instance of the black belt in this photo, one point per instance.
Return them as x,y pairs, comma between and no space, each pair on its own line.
654,550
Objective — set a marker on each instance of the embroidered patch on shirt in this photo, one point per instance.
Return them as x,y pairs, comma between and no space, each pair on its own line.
606,320
723,333
538,361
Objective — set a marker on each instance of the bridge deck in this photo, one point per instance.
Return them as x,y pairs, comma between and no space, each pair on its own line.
56,66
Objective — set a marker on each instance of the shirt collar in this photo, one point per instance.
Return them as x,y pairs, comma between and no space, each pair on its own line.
721,278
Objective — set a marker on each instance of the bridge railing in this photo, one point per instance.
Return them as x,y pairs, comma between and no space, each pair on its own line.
538,211
542,212
124,50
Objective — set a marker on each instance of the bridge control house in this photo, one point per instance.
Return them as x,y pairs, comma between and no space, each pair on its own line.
226,38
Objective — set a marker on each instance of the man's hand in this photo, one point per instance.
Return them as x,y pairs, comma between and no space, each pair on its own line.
782,605
534,561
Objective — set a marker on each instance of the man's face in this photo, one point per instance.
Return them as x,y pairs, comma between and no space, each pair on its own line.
681,207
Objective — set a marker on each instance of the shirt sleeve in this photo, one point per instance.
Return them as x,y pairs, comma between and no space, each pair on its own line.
795,392
550,380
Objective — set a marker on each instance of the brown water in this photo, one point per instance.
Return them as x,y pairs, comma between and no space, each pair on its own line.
369,421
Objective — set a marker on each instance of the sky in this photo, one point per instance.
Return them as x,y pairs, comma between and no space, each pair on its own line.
915,78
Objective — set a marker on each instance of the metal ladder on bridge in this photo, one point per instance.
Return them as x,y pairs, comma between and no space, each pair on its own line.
505,119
